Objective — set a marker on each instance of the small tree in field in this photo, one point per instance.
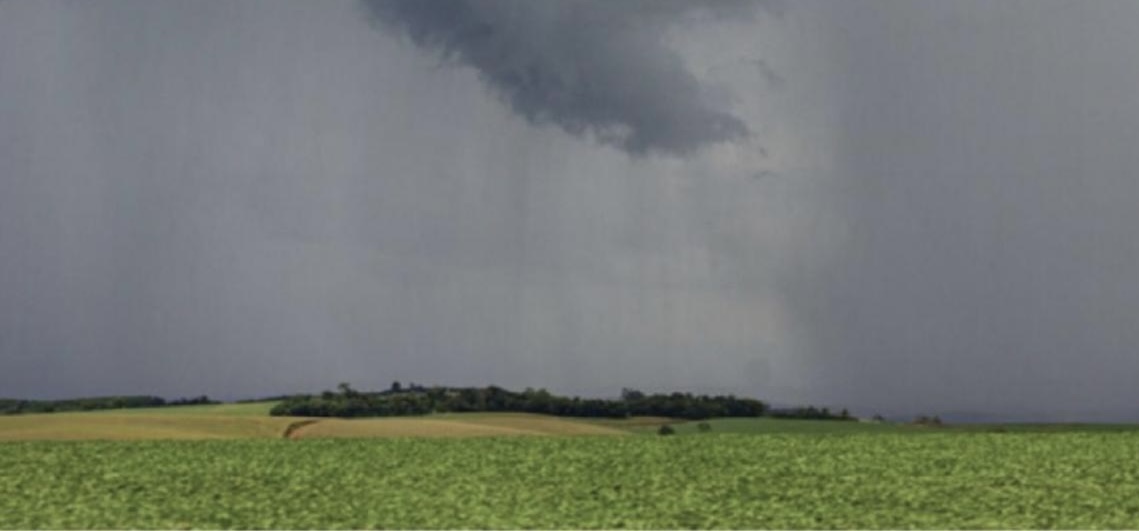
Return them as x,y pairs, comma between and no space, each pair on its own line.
347,391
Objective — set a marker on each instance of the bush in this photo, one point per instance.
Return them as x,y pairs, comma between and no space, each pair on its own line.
665,429
704,427
421,400
928,421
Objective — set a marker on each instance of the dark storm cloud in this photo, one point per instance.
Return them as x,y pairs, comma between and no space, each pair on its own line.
590,67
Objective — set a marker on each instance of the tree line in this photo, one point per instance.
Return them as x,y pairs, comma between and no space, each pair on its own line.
419,400
810,413
15,407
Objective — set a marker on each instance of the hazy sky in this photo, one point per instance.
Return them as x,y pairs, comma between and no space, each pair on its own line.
889,205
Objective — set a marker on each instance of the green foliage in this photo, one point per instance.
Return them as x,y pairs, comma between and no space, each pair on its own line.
14,407
923,420
704,427
665,429
935,480
418,400
196,401
810,413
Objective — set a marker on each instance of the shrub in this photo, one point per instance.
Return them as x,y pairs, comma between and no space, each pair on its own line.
665,429
704,427
924,420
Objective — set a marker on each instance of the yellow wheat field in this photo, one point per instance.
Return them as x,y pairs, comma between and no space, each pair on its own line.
243,421
92,426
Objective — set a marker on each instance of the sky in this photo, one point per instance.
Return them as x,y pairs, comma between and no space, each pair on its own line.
912,206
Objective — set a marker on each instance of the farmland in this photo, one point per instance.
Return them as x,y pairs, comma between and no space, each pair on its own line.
244,409
228,465
136,426
455,425
239,421
891,480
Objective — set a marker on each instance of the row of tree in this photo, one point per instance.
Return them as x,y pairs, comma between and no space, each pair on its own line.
810,413
419,400
16,407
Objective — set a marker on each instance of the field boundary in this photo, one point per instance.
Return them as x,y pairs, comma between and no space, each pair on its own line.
292,428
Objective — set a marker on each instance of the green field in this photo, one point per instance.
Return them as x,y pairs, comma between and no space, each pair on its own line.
943,480
252,420
765,425
157,468
768,425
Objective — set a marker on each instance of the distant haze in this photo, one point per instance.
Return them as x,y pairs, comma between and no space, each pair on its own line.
911,206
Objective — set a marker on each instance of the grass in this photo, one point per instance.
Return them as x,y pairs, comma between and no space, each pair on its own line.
886,480
1042,428
765,425
633,423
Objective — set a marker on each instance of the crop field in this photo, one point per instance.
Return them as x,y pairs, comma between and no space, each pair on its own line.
246,409
135,426
938,480
765,425
251,421
217,421
454,425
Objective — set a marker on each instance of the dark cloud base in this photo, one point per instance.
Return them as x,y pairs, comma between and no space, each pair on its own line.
591,68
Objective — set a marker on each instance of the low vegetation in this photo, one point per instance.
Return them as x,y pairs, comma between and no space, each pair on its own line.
10,406
810,413
418,400
934,480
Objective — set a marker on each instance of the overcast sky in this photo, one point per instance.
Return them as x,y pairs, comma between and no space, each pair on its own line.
897,206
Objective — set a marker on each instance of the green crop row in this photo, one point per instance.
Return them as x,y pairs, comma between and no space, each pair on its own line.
1078,480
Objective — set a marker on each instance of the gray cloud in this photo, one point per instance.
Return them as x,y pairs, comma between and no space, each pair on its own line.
250,198
984,181
770,75
598,68
267,196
